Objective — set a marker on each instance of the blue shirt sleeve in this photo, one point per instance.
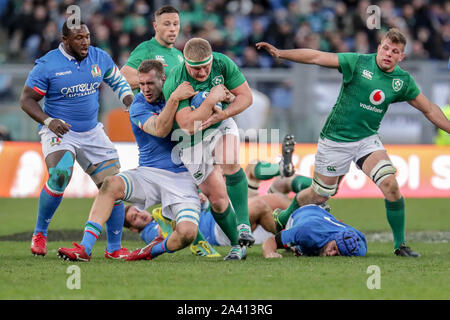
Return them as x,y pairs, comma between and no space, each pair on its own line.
139,113
38,78
150,232
107,62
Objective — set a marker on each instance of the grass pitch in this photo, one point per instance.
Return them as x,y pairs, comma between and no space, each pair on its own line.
182,276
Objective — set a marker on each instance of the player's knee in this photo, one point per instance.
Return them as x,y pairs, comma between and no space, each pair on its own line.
58,179
187,231
112,186
219,202
230,168
390,188
381,171
59,176
321,190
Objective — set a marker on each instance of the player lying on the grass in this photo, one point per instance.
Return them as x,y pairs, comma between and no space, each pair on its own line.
157,179
313,231
371,82
68,79
153,225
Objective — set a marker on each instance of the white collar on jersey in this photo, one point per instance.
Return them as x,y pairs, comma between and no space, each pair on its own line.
65,54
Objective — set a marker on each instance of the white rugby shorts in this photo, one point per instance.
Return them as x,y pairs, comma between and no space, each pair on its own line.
198,159
145,187
89,147
333,159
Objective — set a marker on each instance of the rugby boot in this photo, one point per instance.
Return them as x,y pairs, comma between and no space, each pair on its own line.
145,252
245,237
122,253
78,253
237,253
39,244
405,251
287,149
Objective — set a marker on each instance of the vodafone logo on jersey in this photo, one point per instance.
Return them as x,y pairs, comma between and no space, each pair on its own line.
377,97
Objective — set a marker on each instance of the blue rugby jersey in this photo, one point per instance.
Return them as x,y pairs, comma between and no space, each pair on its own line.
71,87
312,227
154,151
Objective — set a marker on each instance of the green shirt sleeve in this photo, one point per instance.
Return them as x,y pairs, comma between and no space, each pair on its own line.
138,55
411,91
233,75
347,64
170,86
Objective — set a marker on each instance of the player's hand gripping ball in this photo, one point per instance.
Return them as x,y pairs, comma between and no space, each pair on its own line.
197,100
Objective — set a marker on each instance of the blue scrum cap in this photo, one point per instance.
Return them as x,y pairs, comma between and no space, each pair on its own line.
349,243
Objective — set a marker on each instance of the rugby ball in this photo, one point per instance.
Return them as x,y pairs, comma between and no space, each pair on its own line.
197,100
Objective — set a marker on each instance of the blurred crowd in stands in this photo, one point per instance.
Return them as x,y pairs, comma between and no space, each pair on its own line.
30,28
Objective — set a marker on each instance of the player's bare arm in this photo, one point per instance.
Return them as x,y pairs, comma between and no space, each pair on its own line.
29,103
269,248
240,99
431,111
131,75
127,101
190,120
307,56
161,125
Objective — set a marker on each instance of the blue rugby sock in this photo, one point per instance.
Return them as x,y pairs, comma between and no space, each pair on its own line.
114,227
48,203
160,248
92,231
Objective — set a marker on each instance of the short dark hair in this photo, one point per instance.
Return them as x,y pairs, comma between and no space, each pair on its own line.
148,65
126,223
165,9
66,30
396,36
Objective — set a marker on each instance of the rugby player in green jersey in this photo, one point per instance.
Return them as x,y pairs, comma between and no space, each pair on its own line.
371,82
213,152
160,47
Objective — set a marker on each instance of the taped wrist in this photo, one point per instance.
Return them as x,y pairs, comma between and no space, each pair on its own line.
48,120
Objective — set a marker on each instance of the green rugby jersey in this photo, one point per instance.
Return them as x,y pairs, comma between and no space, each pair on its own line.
152,49
223,71
366,93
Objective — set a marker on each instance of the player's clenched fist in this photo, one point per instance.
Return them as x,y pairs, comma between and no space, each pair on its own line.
59,127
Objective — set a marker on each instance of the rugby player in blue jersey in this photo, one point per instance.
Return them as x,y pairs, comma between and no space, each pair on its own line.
313,231
157,179
260,216
68,78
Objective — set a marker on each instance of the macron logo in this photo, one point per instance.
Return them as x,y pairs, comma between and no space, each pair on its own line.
63,73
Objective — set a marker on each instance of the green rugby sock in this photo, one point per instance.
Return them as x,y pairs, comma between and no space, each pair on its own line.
237,189
299,183
265,170
227,222
395,212
284,215
199,237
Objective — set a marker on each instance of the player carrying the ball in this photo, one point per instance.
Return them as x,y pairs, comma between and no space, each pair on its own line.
371,82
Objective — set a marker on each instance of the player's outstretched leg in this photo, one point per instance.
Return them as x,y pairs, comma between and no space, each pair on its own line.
286,166
145,253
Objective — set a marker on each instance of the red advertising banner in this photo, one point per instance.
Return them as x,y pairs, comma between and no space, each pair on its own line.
423,171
